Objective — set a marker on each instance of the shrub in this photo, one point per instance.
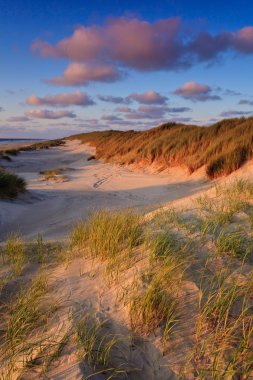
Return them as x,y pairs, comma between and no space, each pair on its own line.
11,185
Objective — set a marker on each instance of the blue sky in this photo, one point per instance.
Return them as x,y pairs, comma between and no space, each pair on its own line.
152,61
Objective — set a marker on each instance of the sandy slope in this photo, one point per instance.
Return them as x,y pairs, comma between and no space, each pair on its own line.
51,207
81,285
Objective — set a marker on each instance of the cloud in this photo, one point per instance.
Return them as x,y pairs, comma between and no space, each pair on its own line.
231,92
61,100
178,109
149,97
142,45
46,114
111,118
233,113
150,111
114,99
1,109
123,109
78,74
196,92
18,118
243,40
245,101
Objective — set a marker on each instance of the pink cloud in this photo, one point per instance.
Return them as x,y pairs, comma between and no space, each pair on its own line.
196,92
149,97
139,44
123,109
77,74
46,114
244,40
61,100
135,43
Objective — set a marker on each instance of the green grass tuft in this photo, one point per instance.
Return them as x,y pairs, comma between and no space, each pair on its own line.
15,253
11,185
108,233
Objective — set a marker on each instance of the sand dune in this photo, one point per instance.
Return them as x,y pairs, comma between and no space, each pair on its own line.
147,297
51,206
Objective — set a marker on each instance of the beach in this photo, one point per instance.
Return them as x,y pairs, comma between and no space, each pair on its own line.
51,207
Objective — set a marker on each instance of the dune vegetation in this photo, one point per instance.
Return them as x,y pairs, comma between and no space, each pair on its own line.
129,296
222,147
10,185
56,173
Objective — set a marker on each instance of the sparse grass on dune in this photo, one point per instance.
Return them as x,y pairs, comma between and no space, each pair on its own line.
218,211
25,312
55,173
154,302
224,341
14,252
166,244
235,243
107,233
21,316
101,350
109,236
78,235
11,185
222,148
156,305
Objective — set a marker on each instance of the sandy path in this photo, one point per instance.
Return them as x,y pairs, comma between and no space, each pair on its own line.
52,207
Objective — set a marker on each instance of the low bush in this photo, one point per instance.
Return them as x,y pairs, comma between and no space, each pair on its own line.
11,185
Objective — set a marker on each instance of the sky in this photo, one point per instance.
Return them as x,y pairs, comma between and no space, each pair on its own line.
78,66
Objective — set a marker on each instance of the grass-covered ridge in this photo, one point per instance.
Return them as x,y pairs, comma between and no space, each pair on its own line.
222,147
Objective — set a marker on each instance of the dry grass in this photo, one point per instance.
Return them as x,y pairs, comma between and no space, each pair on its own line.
21,316
14,252
100,350
224,340
222,147
56,173
156,306
107,233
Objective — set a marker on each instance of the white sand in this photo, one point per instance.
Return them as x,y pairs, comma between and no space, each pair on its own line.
52,207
